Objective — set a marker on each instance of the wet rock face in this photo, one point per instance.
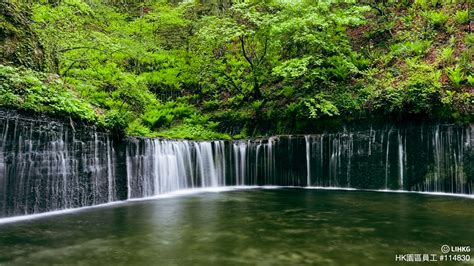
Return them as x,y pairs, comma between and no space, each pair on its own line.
434,158
19,44
47,164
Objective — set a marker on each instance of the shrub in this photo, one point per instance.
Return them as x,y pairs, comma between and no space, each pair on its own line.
425,4
462,16
459,102
447,54
383,98
320,106
455,75
198,132
136,128
116,121
422,90
437,19
410,48
469,39
40,92
470,80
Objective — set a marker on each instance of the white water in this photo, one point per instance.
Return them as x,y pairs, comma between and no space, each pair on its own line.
308,162
400,159
196,191
351,160
49,166
386,158
45,167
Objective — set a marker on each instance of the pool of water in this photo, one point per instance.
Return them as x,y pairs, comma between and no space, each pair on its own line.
255,226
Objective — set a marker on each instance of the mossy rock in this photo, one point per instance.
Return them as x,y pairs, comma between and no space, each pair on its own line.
19,45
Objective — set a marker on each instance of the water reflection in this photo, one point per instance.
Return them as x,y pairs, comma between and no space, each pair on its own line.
276,226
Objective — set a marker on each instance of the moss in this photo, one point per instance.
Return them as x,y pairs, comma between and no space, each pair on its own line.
43,93
19,44
195,132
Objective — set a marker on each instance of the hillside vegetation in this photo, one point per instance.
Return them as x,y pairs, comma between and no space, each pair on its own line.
222,69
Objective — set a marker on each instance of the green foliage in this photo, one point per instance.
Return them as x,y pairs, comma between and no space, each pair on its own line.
136,128
192,69
470,80
458,102
30,90
462,16
197,132
116,121
422,87
469,40
447,55
410,48
455,75
319,106
425,4
436,18
164,115
293,68
19,43
341,68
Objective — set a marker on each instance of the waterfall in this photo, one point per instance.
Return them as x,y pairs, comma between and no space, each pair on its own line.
437,154
240,161
48,165
400,159
387,150
243,161
110,170
3,176
209,174
259,145
347,161
308,164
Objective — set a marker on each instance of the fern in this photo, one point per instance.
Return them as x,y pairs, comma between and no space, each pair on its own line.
470,80
455,75
437,19
462,16
447,54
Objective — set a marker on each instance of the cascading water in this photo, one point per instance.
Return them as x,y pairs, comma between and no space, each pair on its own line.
49,165
432,159
308,161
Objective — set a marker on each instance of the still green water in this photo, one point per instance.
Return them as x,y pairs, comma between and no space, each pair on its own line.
247,227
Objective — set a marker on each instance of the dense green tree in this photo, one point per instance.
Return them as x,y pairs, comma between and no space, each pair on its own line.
191,68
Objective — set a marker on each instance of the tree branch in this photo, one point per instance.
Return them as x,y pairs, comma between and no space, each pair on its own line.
242,43
80,47
231,81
